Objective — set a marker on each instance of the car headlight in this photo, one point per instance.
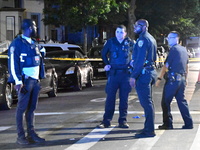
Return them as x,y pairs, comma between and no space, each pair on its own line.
70,70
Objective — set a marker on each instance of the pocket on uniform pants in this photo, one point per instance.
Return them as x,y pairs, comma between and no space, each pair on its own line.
144,79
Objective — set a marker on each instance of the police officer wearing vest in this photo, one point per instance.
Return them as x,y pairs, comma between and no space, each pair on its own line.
26,68
176,66
116,54
144,74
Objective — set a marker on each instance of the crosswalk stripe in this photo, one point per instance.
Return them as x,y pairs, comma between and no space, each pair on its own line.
196,143
90,139
147,143
4,128
101,112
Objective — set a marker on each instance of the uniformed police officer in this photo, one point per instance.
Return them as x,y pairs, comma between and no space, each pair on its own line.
177,66
116,54
26,68
144,74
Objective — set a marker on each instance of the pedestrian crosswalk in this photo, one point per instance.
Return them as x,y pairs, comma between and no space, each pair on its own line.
196,142
172,138
90,139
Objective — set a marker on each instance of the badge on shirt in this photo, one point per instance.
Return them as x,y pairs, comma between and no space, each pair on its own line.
140,43
12,49
126,42
37,59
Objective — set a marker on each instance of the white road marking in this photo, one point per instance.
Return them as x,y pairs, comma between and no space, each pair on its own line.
99,100
4,128
103,99
196,143
147,143
102,112
90,139
51,113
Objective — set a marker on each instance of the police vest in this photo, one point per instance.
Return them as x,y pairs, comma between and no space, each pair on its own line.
120,53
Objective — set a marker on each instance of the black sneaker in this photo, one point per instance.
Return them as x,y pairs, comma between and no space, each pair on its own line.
123,125
144,135
187,127
22,141
102,125
34,138
164,127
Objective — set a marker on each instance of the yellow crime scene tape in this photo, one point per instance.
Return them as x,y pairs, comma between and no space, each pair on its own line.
96,59
3,56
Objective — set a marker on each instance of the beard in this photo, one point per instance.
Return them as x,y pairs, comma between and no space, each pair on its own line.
138,31
34,33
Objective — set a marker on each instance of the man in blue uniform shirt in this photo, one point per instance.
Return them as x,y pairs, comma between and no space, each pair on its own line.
26,67
116,54
144,75
177,66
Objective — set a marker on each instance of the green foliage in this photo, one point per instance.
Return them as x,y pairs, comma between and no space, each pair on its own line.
167,15
80,13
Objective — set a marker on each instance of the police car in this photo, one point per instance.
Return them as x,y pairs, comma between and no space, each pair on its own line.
7,91
61,47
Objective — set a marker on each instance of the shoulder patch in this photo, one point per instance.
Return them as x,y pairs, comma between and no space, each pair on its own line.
105,42
12,49
140,43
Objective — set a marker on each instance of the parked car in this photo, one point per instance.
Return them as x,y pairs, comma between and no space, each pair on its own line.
94,55
7,91
72,68
61,47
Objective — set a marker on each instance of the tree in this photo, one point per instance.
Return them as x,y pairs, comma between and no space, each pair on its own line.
78,14
131,18
164,16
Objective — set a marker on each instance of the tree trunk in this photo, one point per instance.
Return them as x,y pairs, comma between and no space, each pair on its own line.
85,39
131,19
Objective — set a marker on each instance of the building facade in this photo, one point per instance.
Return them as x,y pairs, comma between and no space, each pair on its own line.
12,12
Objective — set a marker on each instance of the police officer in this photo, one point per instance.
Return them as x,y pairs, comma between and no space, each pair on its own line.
177,66
144,75
116,54
26,68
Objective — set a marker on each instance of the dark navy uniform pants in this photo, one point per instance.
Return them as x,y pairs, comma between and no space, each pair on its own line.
27,101
117,80
175,89
144,90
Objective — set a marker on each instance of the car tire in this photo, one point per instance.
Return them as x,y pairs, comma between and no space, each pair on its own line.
78,84
53,92
7,98
90,80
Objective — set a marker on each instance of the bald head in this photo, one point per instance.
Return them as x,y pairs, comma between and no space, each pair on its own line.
141,26
143,22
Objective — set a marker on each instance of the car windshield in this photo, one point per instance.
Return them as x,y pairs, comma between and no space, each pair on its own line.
62,54
51,48
4,52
